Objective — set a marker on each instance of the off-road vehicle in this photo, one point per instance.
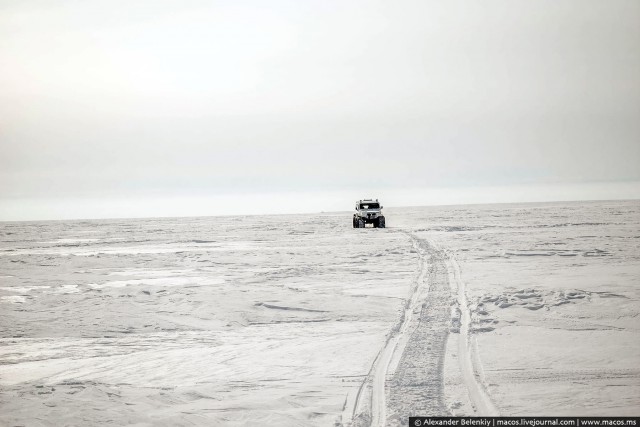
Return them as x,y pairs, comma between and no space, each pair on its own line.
368,211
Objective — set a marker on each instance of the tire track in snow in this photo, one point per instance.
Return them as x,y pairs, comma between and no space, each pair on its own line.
407,376
370,406
478,394
396,345
417,384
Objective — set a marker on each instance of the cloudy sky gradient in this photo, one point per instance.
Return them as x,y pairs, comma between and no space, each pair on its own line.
118,108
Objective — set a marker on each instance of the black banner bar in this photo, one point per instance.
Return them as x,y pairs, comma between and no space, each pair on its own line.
524,421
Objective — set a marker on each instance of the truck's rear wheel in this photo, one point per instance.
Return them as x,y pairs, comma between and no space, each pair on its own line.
353,221
360,223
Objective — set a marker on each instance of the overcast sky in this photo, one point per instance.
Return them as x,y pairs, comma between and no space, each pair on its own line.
163,100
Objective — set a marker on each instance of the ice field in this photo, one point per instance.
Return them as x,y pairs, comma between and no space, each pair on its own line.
528,309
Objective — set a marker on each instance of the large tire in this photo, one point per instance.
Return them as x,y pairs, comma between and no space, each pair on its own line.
360,223
353,221
381,222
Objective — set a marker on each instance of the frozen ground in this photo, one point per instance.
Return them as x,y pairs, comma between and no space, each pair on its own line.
290,320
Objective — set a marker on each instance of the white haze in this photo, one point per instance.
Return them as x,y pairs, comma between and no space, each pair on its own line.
158,108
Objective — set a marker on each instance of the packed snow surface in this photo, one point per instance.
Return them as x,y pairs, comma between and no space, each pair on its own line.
529,309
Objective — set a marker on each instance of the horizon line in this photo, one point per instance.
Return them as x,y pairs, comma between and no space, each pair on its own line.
625,196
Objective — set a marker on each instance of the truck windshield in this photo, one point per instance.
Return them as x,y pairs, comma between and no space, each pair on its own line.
374,205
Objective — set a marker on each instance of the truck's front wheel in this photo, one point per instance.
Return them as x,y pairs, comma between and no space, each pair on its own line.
381,222
360,223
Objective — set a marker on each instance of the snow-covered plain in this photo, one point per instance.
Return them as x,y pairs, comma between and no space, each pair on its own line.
528,309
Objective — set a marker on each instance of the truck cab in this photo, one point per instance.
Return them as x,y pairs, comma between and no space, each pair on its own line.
368,211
